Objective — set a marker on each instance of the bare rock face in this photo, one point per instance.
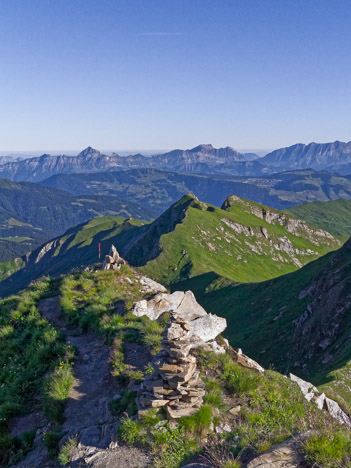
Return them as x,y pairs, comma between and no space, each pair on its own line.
312,394
184,303
306,388
113,260
336,412
175,382
284,455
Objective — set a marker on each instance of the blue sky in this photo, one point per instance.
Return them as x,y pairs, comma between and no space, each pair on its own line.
162,74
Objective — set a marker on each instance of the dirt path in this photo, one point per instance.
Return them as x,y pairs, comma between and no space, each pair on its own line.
93,386
87,416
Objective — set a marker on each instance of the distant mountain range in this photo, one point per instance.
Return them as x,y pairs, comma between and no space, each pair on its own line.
332,157
32,213
203,159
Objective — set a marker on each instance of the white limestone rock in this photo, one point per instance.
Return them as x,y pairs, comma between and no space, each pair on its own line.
306,387
148,285
319,400
216,348
245,361
208,327
184,304
336,412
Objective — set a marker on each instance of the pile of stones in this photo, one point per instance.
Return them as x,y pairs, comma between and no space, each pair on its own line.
175,383
113,260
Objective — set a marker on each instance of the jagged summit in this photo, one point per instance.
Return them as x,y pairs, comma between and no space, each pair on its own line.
201,148
89,151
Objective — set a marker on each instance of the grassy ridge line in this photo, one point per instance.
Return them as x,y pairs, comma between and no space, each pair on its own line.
333,216
204,241
38,213
76,249
271,407
189,239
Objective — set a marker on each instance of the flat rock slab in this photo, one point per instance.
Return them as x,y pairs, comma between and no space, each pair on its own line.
120,457
284,455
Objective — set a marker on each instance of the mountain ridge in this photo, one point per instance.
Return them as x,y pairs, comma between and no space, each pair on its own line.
317,156
203,158
188,239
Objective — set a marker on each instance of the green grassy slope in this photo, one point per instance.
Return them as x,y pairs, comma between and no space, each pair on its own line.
238,242
30,214
189,239
270,407
300,322
77,248
333,216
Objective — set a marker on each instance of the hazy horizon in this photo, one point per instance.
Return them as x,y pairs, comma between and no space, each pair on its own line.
121,152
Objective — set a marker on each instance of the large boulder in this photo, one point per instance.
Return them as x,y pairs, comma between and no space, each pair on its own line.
208,326
183,303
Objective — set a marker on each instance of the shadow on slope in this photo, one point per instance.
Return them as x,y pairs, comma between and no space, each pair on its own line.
299,322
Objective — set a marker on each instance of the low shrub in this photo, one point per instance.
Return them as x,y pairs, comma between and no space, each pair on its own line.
64,456
51,440
199,423
328,449
239,380
56,390
130,431
173,448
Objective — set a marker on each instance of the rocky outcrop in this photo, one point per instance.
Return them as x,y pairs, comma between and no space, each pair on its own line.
175,383
312,394
245,361
150,286
184,303
204,327
113,260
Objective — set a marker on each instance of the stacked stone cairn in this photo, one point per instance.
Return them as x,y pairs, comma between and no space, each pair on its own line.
175,383
113,260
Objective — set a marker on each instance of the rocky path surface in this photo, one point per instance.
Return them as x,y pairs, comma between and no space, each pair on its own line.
87,416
